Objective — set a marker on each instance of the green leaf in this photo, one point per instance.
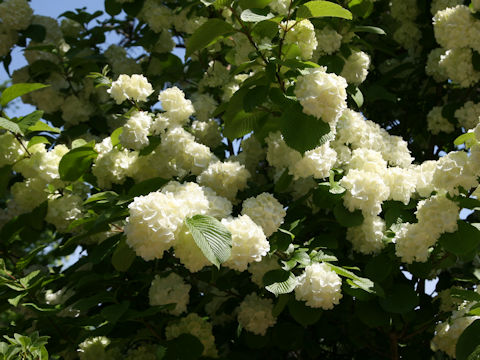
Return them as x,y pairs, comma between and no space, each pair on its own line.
347,218
146,187
361,8
123,256
35,32
256,15
400,300
5,175
476,60
280,305
466,138
462,294
468,341
112,7
256,4
303,132
14,301
319,8
283,182
207,34
279,281
212,237
369,29
37,140
10,126
185,347
360,282
76,162
41,126
255,97
265,29
302,313
115,137
357,96
113,313
462,241
17,90
29,120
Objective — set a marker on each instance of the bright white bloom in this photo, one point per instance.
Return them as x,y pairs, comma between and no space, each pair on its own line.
10,149
178,108
402,183
265,211
316,162
437,123
249,243
455,28
468,115
412,242
76,110
63,210
188,251
424,176
160,124
156,15
196,326
58,297
302,34
226,178
170,290
368,160
207,133
454,170
204,105
136,130
259,269
367,238
94,349
438,5
457,65
112,165
403,10
329,41
279,154
433,68
356,66
280,6
135,87
319,286
365,191
438,214
255,314
321,94
28,194
16,14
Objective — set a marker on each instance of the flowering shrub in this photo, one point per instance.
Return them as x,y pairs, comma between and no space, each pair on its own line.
301,184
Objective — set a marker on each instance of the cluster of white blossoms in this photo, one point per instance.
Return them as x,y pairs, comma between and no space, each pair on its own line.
468,115
11,150
178,109
265,211
302,34
136,130
322,94
63,210
226,178
436,216
280,6
407,32
170,290
156,219
16,14
356,66
438,5
156,15
367,238
255,314
319,286
194,325
207,133
328,42
437,123
95,349
135,87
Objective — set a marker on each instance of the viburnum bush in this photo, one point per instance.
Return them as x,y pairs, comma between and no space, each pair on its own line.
241,179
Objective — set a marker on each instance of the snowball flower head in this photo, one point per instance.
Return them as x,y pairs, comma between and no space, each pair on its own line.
319,286
412,242
249,243
170,290
328,41
255,314
355,70
136,130
226,178
178,108
265,211
16,14
321,94
63,210
302,34
188,251
437,123
10,149
455,27
135,87
367,238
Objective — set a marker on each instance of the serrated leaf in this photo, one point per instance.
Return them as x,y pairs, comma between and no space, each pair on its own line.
41,126
360,282
76,162
37,140
10,126
279,281
207,34
29,120
256,15
17,90
212,237
319,8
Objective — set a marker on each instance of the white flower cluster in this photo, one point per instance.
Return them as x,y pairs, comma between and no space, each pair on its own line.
265,211
302,34
226,178
468,115
328,42
255,314
455,27
135,87
95,349
319,286
436,216
156,219
188,252
170,290
112,164
10,149
207,133
53,37
433,67
178,109
249,243
280,6
259,269
63,210
407,34
367,238
156,15
356,66
454,170
437,123
321,94
136,130
196,326
457,66
16,14
438,5
27,195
